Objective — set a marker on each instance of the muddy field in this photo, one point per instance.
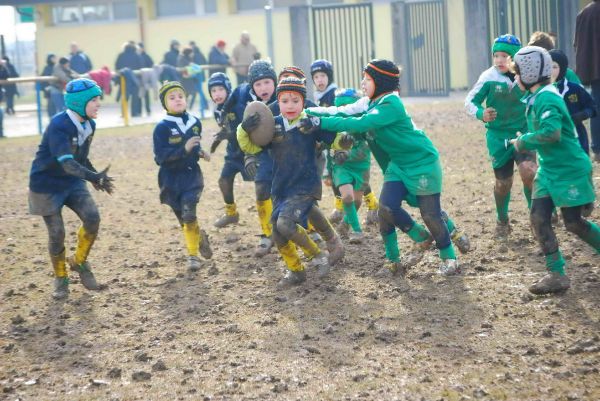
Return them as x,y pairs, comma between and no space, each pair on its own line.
228,333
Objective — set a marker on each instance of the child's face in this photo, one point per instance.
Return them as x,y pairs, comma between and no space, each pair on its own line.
555,71
368,85
218,94
290,104
264,88
176,102
92,107
321,81
502,61
287,75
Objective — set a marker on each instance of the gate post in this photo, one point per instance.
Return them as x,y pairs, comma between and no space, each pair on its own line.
399,42
477,28
567,14
301,52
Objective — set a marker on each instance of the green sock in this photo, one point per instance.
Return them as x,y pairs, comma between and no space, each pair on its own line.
502,206
447,253
418,233
555,263
592,237
351,216
392,252
527,193
450,224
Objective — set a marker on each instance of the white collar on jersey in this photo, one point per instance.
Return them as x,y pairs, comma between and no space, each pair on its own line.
179,121
84,129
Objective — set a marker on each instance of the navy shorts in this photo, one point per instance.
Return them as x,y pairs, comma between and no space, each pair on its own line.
233,167
295,208
50,203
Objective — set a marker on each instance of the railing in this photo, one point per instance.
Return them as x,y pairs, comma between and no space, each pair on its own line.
124,103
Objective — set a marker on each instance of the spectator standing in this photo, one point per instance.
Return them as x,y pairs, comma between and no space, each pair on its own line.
217,55
45,86
64,74
147,62
171,57
587,61
10,91
129,58
243,55
79,61
190,84
3,75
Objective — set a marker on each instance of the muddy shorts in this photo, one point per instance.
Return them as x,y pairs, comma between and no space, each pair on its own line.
501,153
343,175
265,167
567,193
49,203
231,167
295,208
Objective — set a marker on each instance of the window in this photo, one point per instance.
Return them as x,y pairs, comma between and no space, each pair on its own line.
96,11
243,5
182,8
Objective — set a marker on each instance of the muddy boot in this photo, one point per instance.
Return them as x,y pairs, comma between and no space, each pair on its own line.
502,229
226,220
371,219
291,279
263,247
205,250
343,228
449,267
461,241
85,274
315,236
321,263
194,263
61,288
356,237
336,216
551,283
391,269
335,249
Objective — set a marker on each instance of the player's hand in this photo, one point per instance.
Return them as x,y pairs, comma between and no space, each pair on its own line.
251,165
309,124
192,143
340,156
251,122
327,181
346,141
489,114
204,155
103,182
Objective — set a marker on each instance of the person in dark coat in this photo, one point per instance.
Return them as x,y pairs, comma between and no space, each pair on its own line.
147,62
172,55
217,55
10,91
44,86
3,75
189,83
129,58
587,60
78,60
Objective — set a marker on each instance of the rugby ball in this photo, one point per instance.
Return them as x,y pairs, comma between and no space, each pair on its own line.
263,134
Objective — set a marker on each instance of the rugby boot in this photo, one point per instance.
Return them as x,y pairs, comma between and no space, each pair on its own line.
460,240
356,237
321,263
335,249
227,219
449,267
194,263
343,228
292,278
336,216
263,247
205,249
502,229
85,274
551,283
61,288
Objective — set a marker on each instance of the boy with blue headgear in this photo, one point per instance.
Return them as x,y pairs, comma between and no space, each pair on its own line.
57,178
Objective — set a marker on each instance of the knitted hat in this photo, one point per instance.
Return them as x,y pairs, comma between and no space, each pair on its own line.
167,87
322,66
219,79
296,71
561,59
79,92
508,44
534,65
261,69
346,96
291,84
221,43
385,74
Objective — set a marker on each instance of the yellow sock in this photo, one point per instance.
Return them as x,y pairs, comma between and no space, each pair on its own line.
311,228
191,233
85,241
339,205
265,209
59,264
289,253
371,201
230,209
309,247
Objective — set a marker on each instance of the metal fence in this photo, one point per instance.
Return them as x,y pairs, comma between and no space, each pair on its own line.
344,35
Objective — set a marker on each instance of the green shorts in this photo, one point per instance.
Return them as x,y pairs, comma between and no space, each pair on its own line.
565,193
419,180
500,153
343,175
